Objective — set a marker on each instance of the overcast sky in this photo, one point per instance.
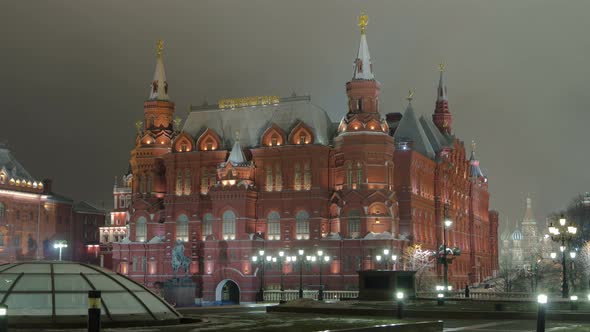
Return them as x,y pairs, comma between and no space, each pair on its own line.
74,75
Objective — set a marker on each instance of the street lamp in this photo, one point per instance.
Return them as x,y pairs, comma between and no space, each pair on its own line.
59,245
260,260
281,255
447,223
294,258
563,233
387,258
542,301
322,259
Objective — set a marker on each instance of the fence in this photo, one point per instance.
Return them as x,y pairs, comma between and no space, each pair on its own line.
293,294
479,295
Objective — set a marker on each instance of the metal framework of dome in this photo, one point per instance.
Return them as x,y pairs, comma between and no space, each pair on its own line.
56,293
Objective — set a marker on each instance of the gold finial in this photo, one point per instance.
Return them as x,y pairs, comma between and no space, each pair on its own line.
363,21
138,125
177,122
473,146
159,47
441,66
237,135
410,96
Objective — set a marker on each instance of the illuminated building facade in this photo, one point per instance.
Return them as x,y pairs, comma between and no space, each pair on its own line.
270,173
33,218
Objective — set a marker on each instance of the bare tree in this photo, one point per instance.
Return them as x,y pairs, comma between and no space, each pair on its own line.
583,262
421,261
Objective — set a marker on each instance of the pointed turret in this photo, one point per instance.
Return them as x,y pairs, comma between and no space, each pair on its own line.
159,86
474,164
363,90
410,134
528,215
442,118
363,68
236,156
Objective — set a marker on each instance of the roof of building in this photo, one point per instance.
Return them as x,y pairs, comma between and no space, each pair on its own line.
85,207
517,235
437,139
13,168
252,121
57,293
410,129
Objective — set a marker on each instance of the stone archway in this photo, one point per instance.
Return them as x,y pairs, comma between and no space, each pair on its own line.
228,292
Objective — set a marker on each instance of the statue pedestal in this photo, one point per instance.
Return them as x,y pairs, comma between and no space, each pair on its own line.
180,292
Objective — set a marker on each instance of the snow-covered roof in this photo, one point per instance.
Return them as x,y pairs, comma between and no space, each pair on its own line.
252,121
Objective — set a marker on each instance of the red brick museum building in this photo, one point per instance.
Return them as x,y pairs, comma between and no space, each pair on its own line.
277,174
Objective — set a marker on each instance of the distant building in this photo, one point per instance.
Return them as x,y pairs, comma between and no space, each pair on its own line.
270,173
521,242
117,227
33,217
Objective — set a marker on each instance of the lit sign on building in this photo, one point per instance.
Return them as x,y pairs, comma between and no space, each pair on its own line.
248,101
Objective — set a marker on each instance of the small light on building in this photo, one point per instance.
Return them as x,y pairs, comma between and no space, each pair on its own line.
399,295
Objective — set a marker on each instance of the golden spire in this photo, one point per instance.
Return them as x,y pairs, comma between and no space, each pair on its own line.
159,47
363,22
410,96
138,126
441,66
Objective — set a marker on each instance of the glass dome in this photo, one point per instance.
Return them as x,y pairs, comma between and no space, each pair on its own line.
43,292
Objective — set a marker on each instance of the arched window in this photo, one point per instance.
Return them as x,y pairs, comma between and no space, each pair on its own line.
182,228
354,224
307,176
274,226
207,225
302,225
140,229
2,211
278,178
179,182
229,225
269,184
204,181
349,174
359,174
187,181
297,184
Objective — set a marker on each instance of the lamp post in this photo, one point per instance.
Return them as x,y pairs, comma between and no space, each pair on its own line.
59,245
294,258
260,260
281,255
542,301
386,257
573,257
447,223
563,233
322,259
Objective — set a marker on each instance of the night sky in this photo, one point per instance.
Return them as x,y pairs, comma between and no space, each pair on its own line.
74,75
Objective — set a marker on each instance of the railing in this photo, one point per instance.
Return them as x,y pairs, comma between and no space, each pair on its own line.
479,295
293,294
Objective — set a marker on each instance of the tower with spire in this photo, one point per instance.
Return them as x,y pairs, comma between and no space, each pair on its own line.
363,90
442,117
364,149
154,135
